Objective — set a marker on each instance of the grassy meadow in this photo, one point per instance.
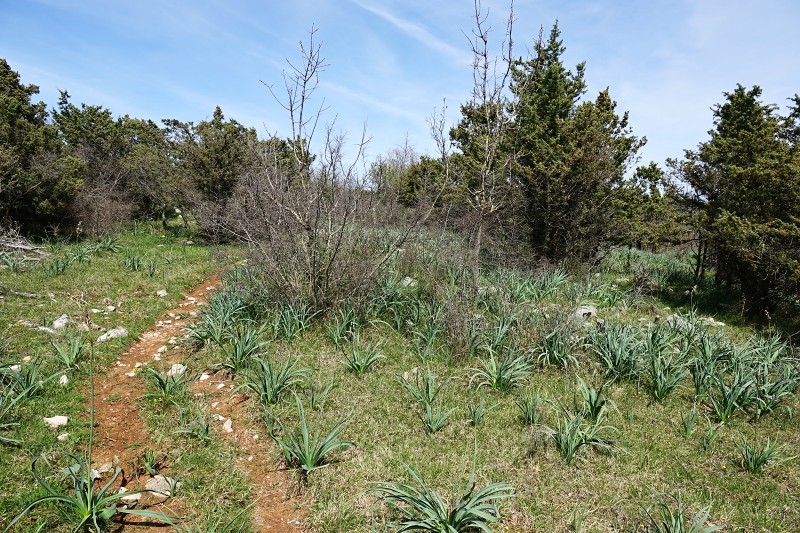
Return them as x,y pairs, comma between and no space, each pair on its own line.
617,399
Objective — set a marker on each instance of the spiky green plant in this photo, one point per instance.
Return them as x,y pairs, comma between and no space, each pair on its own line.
305,448
502,373
531,408
55,266
424,389
199,428
572,432
688,421
420,508
291,320
663,517
271,380
69,350
558,344
595,405
317,394
244,344
90,505
477,411
342,327
167,388
755,457
727,396
433,417
617,347
362,355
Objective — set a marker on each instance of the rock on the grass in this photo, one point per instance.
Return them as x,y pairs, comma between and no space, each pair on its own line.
63,380
56,421
176,369
227,426
60,322
63,437
113,334
160,487
161,293
585,311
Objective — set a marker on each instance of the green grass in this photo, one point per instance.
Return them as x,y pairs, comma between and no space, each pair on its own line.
516,334
89,276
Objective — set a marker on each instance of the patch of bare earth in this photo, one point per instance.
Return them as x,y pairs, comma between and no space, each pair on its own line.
121,434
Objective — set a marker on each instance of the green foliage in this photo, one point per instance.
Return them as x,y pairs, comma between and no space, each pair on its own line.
477,410
291,320
755,457
503,373
88,505
362,355
531,408
434,418
664,366
745,180
70,350
663,517
244,344
424,389
421,508
308,448
271,380
617,346
573,432
594,404
167,388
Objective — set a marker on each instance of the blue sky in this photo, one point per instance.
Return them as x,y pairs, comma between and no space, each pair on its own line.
393,61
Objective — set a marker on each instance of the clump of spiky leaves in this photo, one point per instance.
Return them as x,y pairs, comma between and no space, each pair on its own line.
10,396
420,508
90,505
756,456
559,340
477,410
501,373
317,394
167,388
617,347
342,327
271,380
531,407
595,404
69,350
244,344
362,355
672,517
425,388
198,428
573,432
219,317
664,366
726,396
433,417
306,448
290,320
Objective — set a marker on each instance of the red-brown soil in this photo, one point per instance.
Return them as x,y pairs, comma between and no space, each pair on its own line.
121,434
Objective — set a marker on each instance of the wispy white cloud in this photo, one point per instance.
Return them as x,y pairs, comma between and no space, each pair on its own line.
420,33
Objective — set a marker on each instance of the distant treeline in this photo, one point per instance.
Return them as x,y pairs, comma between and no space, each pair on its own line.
535,171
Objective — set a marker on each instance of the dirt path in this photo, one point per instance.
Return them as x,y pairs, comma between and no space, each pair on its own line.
121,434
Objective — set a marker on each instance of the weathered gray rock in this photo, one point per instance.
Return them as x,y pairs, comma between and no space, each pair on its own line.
585,311
161,293
60,322
160,487
113,334
56,421
176,369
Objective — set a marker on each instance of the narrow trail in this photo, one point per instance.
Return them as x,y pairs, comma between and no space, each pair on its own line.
121,434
